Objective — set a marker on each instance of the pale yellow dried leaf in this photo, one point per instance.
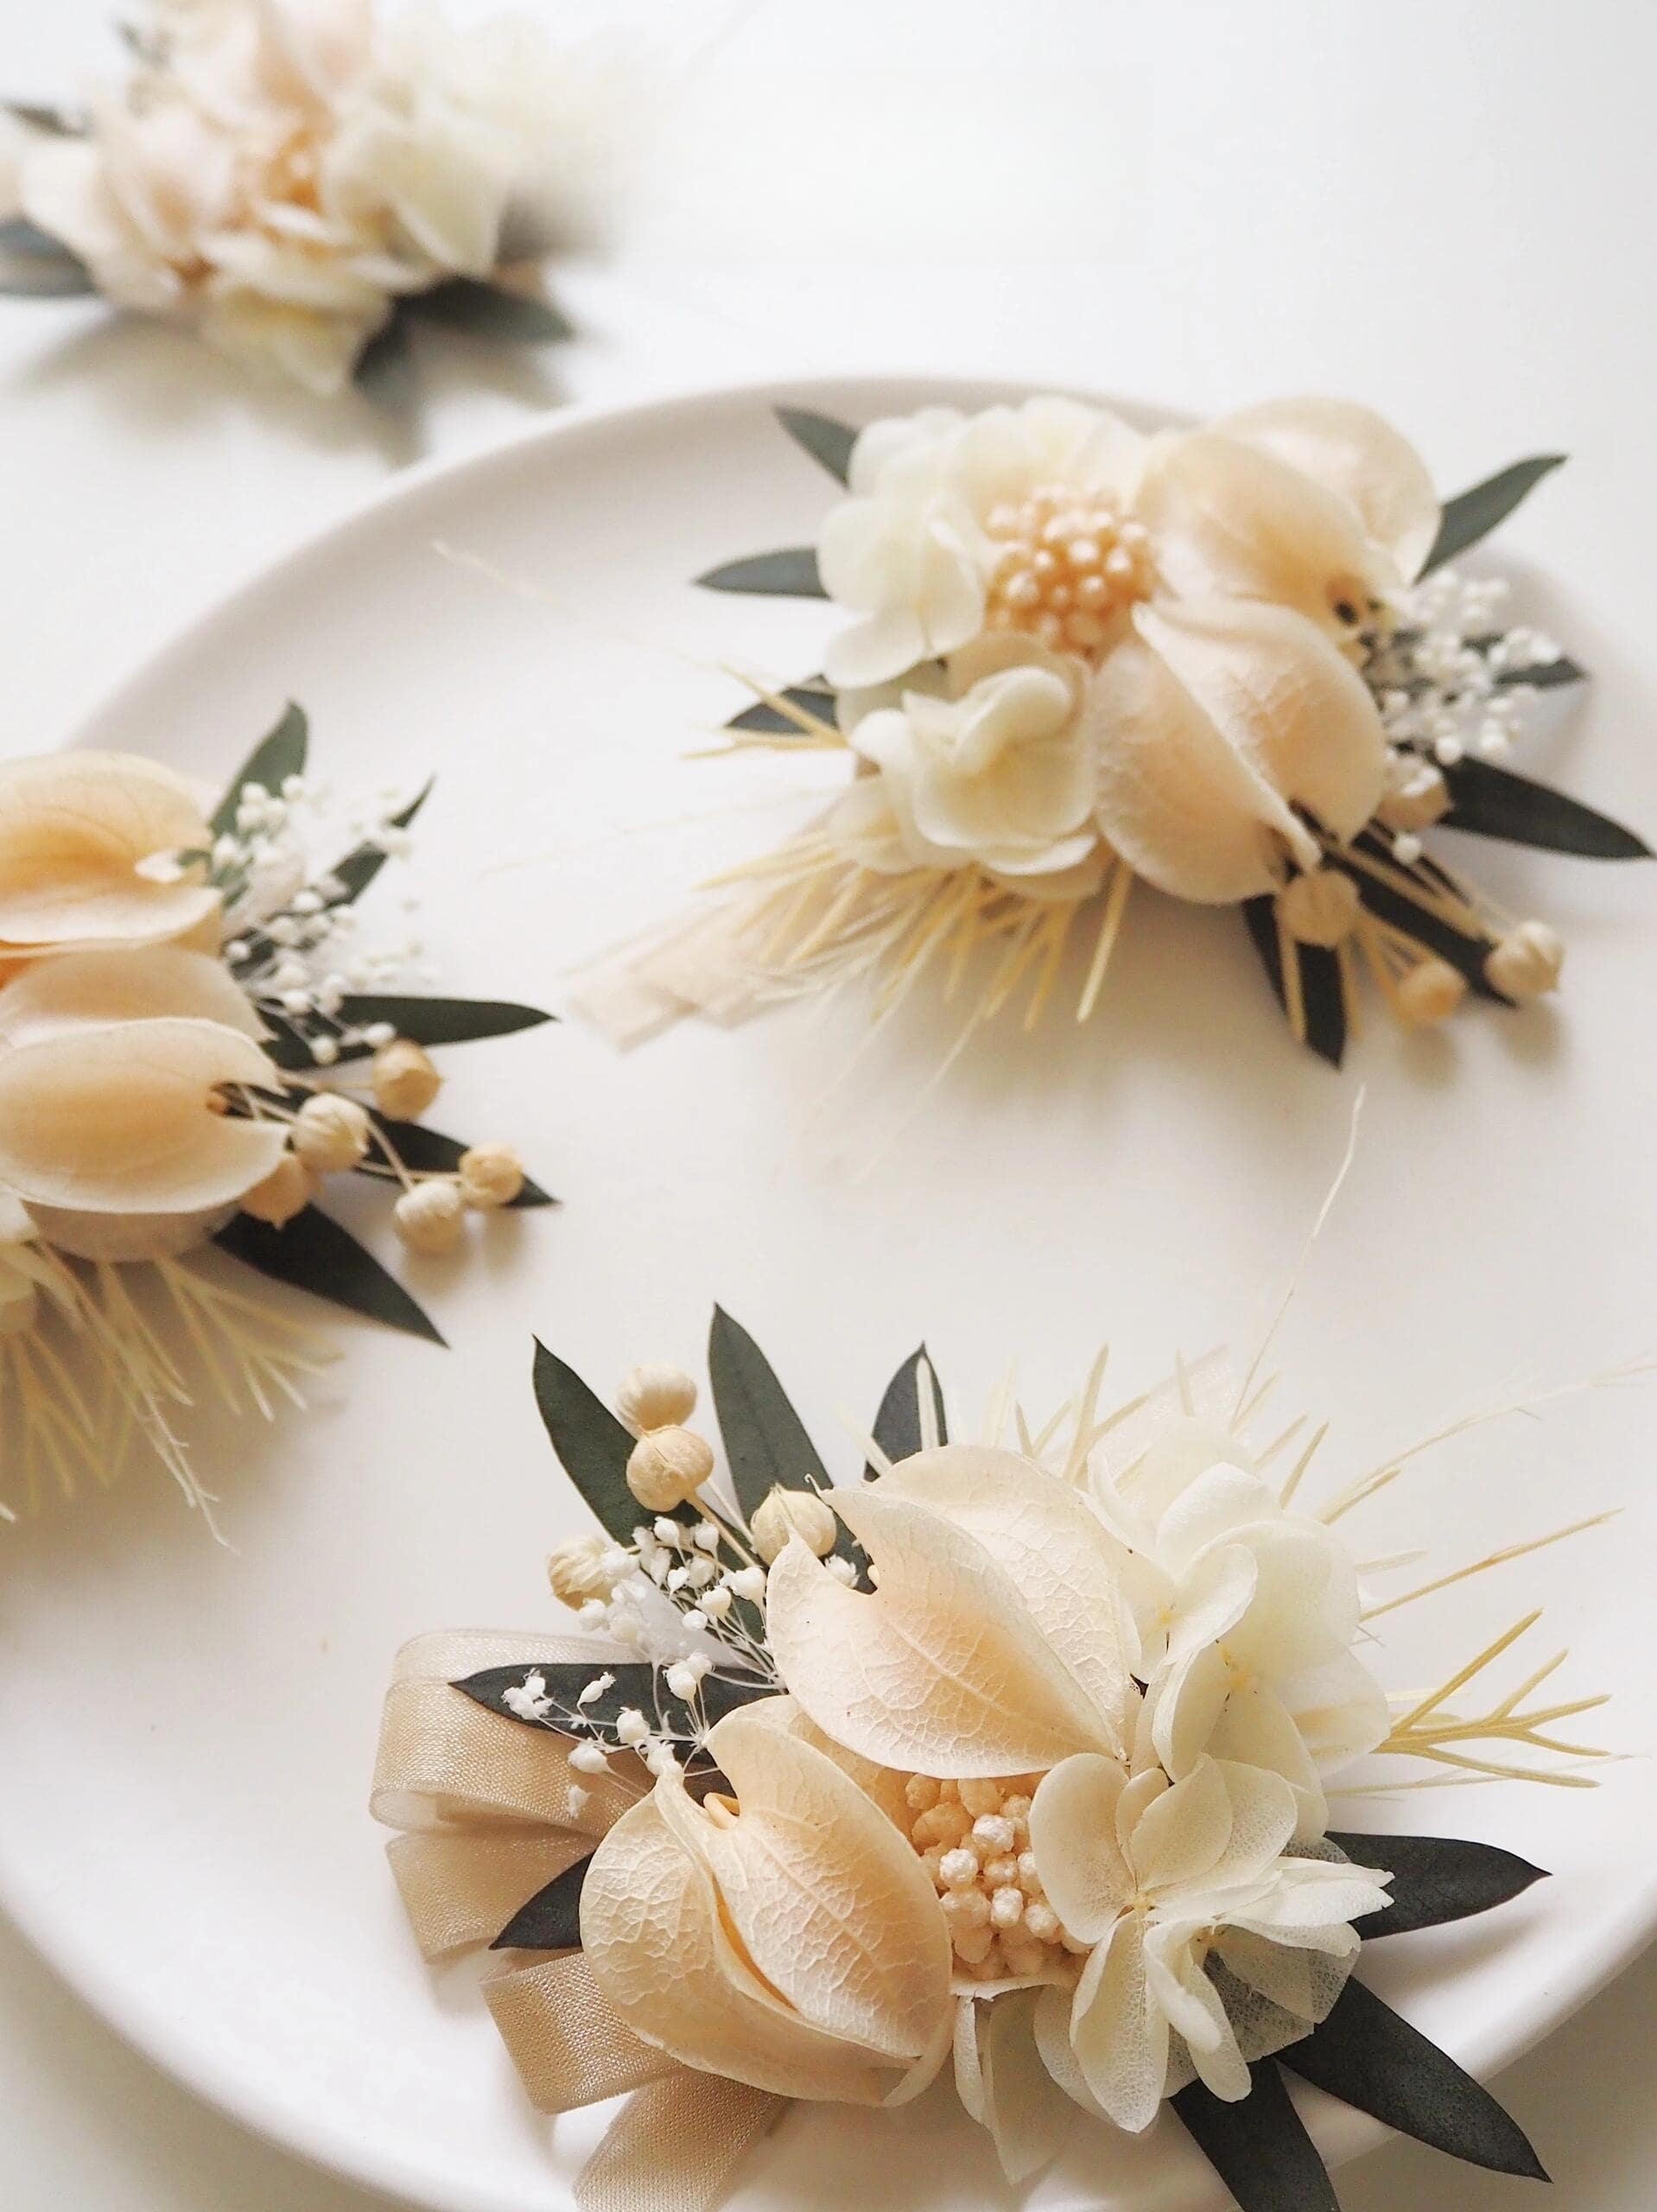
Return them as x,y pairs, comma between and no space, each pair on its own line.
75,828
1357,453
77,989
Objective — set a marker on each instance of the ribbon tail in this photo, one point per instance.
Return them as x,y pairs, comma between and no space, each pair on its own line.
675,2146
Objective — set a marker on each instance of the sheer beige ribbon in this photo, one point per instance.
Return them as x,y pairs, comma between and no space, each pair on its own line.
489,1813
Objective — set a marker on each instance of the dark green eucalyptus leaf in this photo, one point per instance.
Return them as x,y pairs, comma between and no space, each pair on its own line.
897,1424
1366,2056
820,704
439,1022
1494,802
279,754
491,312
1467,954
40,115
634,1684
313,1252
1320,979
1435,1878
789,573
387,371
1547,675
765,1442
1258,2146
1474,514
592,1445
829,442
429,1152
35,265
551,1921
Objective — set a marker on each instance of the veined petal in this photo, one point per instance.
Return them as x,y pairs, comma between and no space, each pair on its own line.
1341,1711
1211,1598
1178,1985
1004,2084
1256,1729
1221,1500
1306,1607
78,989
1263,1813
653,1937
1183,1832
1073,1833
1311,1902
1067,1567
75,828
943,1669
121,1119
829,1902
1118,2030
1357,453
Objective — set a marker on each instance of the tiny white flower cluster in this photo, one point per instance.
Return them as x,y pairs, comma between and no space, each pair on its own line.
1449,678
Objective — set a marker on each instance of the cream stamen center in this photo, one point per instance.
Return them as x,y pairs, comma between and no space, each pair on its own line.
1068,566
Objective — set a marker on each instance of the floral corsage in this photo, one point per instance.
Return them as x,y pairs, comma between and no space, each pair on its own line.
1230,661
193,1040
1013,1760
302,182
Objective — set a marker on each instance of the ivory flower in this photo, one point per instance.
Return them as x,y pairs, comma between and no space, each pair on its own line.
1204,586
786,1937
85,843
997,772
278,174
112,1128
1247,1617
1161,1879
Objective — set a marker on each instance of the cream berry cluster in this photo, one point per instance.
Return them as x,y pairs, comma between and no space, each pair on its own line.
974,1839
1068,565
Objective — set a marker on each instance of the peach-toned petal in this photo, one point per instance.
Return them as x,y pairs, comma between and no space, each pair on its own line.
74,830
78,989
1355,452
121,1119
943,1669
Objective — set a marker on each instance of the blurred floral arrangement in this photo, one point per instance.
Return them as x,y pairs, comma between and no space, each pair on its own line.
301,182
192,1042
1019,1760
1231,662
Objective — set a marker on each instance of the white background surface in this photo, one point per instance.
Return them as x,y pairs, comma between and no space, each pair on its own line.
1446,209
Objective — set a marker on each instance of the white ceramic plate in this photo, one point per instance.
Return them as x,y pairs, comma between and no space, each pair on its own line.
187,1732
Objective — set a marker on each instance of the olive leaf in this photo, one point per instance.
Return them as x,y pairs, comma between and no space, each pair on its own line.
315,1253
898,1424
1474,513
1319,968
829,442
1368,2057
1258,2146
426,1151
592,1446
1493,802
1435,1878
1547,675
387,371
551,1921
789,573
1466,952
813,699
53,121
279,754
491,312
35,265
764,1438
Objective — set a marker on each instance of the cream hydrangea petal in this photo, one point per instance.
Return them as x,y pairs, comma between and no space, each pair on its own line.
64,189
1119,2032
1088,1880
1263,1814
1306,1604
75,828
1213,1597
1311,1903
1256,1729
1352,451
1066,1567
652,1936
1052,2018
121,1119
1004,2084
1297,1980
316,346
1220,713
1229,519
1221,1499
1178,1986
1163,1460
79,988
881,646
828,1901
1340,1710
1186,1705
896,446
943,1669
1182,1833
1146,1787
1006,452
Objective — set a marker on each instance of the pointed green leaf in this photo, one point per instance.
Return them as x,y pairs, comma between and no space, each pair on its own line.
551,1921
439,1022
897,1424
1366,2056
313,1252
53,122
491,312
789,573
387,371
1494,802
1320,979
1474,514
592,1445
1466,953
429,1152
829,442
1547,675
764,1439
33,264
279,754
1258,2146
1435,1878
819,703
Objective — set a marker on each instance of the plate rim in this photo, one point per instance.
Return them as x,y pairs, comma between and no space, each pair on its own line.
1343,2133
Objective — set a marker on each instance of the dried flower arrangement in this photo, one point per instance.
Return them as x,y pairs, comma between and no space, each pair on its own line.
1021,1759
301,183
186,1016
1231,662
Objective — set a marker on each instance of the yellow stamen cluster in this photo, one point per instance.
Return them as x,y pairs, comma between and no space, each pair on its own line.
1069,567
974,1839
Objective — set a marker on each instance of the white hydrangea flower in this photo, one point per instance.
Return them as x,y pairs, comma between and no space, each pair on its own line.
1160,1879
